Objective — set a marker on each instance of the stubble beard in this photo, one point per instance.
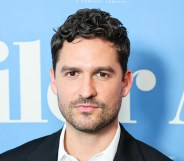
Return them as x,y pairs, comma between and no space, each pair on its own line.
85,122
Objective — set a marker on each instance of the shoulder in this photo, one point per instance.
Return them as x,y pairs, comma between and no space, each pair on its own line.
150,153
26,149
133,149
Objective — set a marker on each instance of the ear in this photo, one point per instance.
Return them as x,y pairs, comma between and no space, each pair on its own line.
127,83
53,81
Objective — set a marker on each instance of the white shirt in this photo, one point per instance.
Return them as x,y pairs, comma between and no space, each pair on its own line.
107,155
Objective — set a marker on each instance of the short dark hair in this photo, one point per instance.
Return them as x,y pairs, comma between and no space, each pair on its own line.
92,23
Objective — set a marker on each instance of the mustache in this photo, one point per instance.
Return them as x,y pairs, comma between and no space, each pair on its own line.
91,101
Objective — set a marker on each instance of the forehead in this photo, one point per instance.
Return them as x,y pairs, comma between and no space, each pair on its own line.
88,51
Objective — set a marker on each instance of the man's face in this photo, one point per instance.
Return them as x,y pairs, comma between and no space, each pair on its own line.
89,84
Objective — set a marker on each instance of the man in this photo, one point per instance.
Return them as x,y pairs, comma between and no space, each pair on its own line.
89,76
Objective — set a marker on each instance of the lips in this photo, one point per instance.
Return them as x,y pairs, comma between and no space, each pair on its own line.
86,108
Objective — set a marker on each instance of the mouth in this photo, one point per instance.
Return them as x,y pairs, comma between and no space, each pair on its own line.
86,108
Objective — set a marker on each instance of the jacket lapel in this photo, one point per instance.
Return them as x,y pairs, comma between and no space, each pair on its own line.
47,150
128,149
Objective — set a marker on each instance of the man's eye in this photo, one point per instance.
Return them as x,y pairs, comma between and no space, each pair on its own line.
71,74
103,75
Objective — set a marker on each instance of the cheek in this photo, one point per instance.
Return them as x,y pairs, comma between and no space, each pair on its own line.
66,93
110,93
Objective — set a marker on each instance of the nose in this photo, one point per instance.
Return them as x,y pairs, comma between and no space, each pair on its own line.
87,88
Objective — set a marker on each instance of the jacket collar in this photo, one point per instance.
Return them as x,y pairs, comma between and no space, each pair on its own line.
128,149
47,150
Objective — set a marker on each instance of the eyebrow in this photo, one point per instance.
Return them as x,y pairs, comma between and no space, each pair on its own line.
106,68
96,69
69,68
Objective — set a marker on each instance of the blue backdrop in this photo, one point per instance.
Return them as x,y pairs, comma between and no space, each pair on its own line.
153,111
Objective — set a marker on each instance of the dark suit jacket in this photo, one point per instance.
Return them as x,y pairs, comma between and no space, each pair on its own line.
46,149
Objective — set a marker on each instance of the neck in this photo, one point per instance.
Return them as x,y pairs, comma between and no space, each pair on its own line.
83,145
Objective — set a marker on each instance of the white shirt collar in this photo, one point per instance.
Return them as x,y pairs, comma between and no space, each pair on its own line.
107,155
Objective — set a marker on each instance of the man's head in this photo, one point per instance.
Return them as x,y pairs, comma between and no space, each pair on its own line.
88,24
89,52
